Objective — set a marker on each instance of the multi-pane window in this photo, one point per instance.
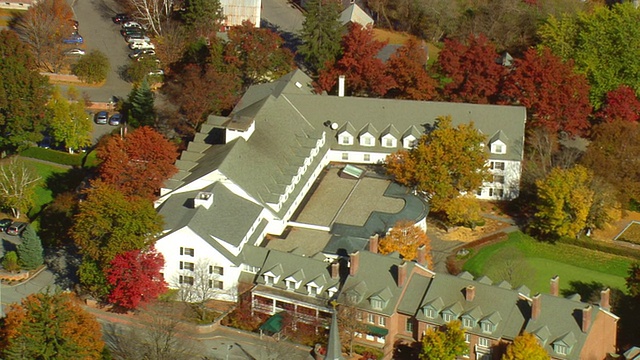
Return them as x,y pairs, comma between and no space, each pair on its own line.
367,157
345,140
218,270
187,265
466,322
377,304
371,318
187,251
269,280
408,327
447,317
467,338
313,290
359,315
388,142
484,342
216,284
382,321
345,156
430,313
291,285
189,280
367,140
560,349
497,165
487,327
498,179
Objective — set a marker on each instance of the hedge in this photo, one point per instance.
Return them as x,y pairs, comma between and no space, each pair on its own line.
607,247
54,156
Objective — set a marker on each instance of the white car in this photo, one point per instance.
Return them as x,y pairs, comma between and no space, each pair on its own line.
74,52
156,72
141,45
132,38
131,24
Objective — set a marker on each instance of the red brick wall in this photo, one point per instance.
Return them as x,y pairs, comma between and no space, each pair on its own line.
601,339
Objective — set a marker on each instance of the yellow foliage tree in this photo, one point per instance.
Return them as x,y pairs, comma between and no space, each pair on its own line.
405,237
525,347
464,210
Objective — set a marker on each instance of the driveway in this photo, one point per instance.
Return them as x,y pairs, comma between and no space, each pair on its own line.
14,294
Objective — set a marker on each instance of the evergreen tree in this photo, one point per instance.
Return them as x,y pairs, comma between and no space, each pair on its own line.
30,250
141,112
321,33
204,17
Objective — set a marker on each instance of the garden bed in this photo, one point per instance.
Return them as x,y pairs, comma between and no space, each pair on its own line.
630,234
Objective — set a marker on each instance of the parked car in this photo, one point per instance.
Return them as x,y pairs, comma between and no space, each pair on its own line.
132,38
121,18
148,57
75,24
131,31
75,51
101,117
141,52
16,228
138,45
75,38
156,72
45,143
5,223
115,119
132,25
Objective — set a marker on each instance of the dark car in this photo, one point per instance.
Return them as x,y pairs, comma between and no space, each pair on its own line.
141,52
131,31
115,119
75,38
102,117
121,18
16,228
5,223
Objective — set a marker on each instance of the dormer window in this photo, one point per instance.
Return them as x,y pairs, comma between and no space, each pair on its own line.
346,139
560,349
332,291
291,285
409,142
447,317
367,140
389,141
430,313
468,322
312,290
353,298
498,147
487,327
377,304
269,279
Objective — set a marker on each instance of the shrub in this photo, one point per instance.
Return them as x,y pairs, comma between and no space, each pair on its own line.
92,68
60,157
606,247
10,262
370,352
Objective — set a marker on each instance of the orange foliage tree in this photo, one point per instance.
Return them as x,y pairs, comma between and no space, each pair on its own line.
139,163
50,326
408,69
405,237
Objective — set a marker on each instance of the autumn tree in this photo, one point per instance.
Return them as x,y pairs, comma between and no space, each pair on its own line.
405,238
444,345
42,28
140,105
446,161
17,186
620,104
408,68
50,326
469,70
23,95
108,224
464,210
364,73
203,17
525,347
154,14
611,155
135,278
258,55
171,44
30,250
321,33
70,123
137,164
555,96
349,324
592,38
203,284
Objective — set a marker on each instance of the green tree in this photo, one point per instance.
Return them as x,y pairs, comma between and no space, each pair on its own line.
139,70
444,345
10,261
23,95
525,347
633,280
446,161
17,186
70,123
141,106
30,250
93,278
108,224
563,203
93,67
50,326
203,17
592,39
321,33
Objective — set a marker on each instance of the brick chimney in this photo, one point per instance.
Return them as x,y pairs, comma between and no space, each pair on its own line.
402,274
335,270
354,260
373,244
421,258
555,286
586,318
470,292
536,303
604,299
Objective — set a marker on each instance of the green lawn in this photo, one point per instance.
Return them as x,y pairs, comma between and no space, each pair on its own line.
43,194
544,260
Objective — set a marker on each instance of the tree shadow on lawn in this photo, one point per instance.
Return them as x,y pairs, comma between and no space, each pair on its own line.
67,181
622,305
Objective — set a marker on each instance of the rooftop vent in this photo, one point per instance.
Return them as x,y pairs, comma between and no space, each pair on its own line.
204,199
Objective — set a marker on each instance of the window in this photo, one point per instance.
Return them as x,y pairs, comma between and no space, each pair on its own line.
447,317
345,156
479,192
430,313
377,304
560,349
291,285
359,315
388,142
468,323
484,342
187,251
312,289
371,318
498,148
408,327
382,321
467,338
499,193
345,140
366,140
497,165
367,157
490,191
487,327
498,179
269,280
186,280
187,265
218,270
215,284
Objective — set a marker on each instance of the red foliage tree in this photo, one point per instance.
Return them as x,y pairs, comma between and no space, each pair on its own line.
139,163
365,74
621,104
556,97
135,278
408,69
470,70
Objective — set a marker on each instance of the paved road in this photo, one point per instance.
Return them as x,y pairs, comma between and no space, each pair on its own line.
282,14
13,294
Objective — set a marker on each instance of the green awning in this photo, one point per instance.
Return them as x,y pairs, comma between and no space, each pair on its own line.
273,324
377,331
